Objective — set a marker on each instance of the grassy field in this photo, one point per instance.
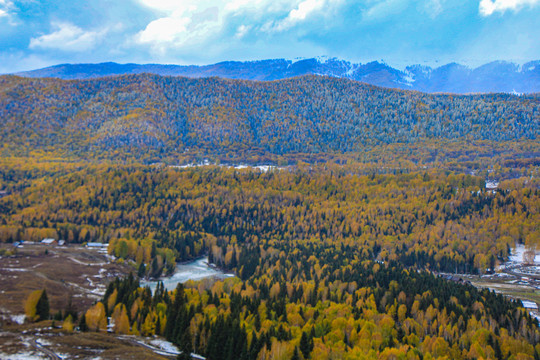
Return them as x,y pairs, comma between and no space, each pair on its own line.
73,272
40,341
506,287
67,272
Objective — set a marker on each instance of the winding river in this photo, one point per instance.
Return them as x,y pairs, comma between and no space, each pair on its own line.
195,270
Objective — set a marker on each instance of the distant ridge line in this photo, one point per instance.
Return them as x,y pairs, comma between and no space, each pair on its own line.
497,76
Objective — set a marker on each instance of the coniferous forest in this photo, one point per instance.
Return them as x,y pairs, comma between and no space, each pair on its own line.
336,249
172,119
329,263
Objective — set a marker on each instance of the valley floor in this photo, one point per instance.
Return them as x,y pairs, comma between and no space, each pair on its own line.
67,272
41,341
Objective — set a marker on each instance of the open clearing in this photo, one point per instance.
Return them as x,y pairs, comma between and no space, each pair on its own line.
65,271
41,341
75,272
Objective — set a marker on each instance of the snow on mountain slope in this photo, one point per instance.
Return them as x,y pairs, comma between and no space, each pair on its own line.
497,76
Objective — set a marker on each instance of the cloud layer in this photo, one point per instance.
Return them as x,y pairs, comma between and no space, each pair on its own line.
488,7
208,31
67,37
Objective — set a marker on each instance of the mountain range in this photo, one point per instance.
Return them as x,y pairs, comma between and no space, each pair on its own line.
164,116
498,76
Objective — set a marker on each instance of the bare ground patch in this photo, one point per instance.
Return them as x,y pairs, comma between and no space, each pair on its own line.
41,341
66,272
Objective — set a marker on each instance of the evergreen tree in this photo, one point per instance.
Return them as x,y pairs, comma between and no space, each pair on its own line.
42,307
142,270
305,345
82,323
185,343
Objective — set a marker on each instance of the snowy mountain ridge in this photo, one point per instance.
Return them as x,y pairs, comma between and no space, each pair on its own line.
496,76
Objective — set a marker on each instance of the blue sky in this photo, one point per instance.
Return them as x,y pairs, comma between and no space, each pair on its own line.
36,33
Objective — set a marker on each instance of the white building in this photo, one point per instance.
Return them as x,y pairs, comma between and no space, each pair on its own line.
48,241
529,305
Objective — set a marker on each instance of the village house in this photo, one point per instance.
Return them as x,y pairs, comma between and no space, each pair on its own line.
530,305
96,245
49,241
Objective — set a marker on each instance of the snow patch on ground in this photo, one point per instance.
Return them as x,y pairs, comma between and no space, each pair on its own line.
22,356
43,342
6,315
18,319
87,264
263,168
517,255
98,291
13,269
195,270
165,346
102,273
492,184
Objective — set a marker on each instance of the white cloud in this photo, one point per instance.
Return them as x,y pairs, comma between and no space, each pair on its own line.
163,30
169,5
236,5
68,37
301,13
434,8
189,22
186,23
384,9
305,8
242,30
5,7
488,7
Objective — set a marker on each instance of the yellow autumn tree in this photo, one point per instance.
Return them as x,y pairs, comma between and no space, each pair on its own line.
120,319
96,318
112,300
31,303
148,328
68,324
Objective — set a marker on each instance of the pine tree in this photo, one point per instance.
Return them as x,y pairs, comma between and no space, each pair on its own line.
82,323
155,269
306,345
142,270
42,306
185,343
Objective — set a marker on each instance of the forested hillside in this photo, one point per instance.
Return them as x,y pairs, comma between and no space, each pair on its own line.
151,118
329,303
425,219
334,257
330,263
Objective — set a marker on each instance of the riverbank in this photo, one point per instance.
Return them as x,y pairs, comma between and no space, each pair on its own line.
195,270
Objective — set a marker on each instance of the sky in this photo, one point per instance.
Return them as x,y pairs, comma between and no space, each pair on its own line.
40,33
